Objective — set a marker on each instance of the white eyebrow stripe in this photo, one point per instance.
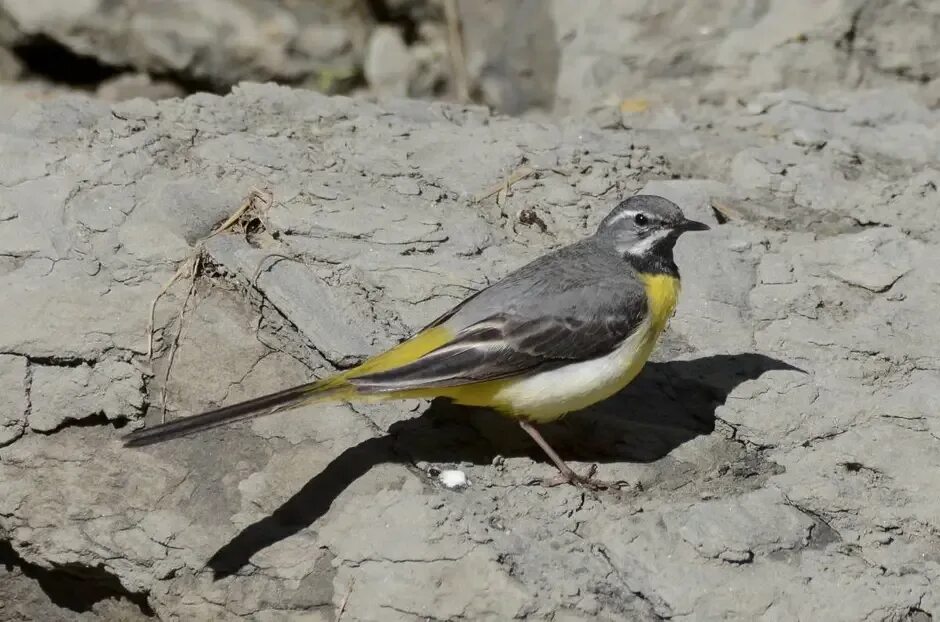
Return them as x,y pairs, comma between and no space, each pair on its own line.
622,215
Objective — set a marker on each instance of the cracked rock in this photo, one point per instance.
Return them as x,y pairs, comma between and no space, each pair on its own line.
782,437
114,389
735,530
878,259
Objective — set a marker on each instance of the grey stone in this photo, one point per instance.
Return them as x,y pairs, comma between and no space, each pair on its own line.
221,43
780,442
389,67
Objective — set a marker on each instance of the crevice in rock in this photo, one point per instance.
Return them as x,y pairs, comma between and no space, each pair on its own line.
869,224
905,74
853,467
91,421
28,386
822,437
916,614
77,587
60,361
43,56
418,615
46,58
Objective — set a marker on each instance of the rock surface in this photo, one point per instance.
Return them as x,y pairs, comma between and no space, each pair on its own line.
609,58
216,43
573,56
783,449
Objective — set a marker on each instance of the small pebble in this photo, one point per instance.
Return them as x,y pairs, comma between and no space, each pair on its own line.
453,479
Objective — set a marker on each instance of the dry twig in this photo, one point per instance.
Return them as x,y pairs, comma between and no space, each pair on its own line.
503,187
455,47
174,343
342,606
253,207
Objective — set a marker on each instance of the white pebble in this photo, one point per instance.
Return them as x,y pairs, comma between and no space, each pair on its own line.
452,478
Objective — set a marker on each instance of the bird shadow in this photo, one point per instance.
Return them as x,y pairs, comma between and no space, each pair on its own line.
667,405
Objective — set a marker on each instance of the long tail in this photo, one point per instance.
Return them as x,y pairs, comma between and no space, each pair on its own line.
330,388
337,387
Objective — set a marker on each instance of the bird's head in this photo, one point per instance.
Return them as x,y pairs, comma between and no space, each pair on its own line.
645,227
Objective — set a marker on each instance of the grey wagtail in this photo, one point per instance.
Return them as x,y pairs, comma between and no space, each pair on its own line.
567,330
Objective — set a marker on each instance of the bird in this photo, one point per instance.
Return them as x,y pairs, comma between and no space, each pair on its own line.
565,331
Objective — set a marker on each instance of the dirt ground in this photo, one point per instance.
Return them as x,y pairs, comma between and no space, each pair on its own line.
781,451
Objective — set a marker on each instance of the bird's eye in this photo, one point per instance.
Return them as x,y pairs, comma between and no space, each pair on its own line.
641,219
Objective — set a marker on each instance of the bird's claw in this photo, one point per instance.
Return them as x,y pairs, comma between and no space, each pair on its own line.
585,481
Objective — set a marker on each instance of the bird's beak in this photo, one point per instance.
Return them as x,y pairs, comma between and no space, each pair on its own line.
692,225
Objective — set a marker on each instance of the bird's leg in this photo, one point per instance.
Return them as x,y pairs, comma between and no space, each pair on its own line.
566,473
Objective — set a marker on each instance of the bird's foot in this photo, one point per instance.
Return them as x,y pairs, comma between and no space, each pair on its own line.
587,481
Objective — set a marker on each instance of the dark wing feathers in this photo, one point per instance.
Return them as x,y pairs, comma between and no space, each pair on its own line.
495,350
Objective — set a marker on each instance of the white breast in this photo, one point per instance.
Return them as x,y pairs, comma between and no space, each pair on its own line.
549,395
